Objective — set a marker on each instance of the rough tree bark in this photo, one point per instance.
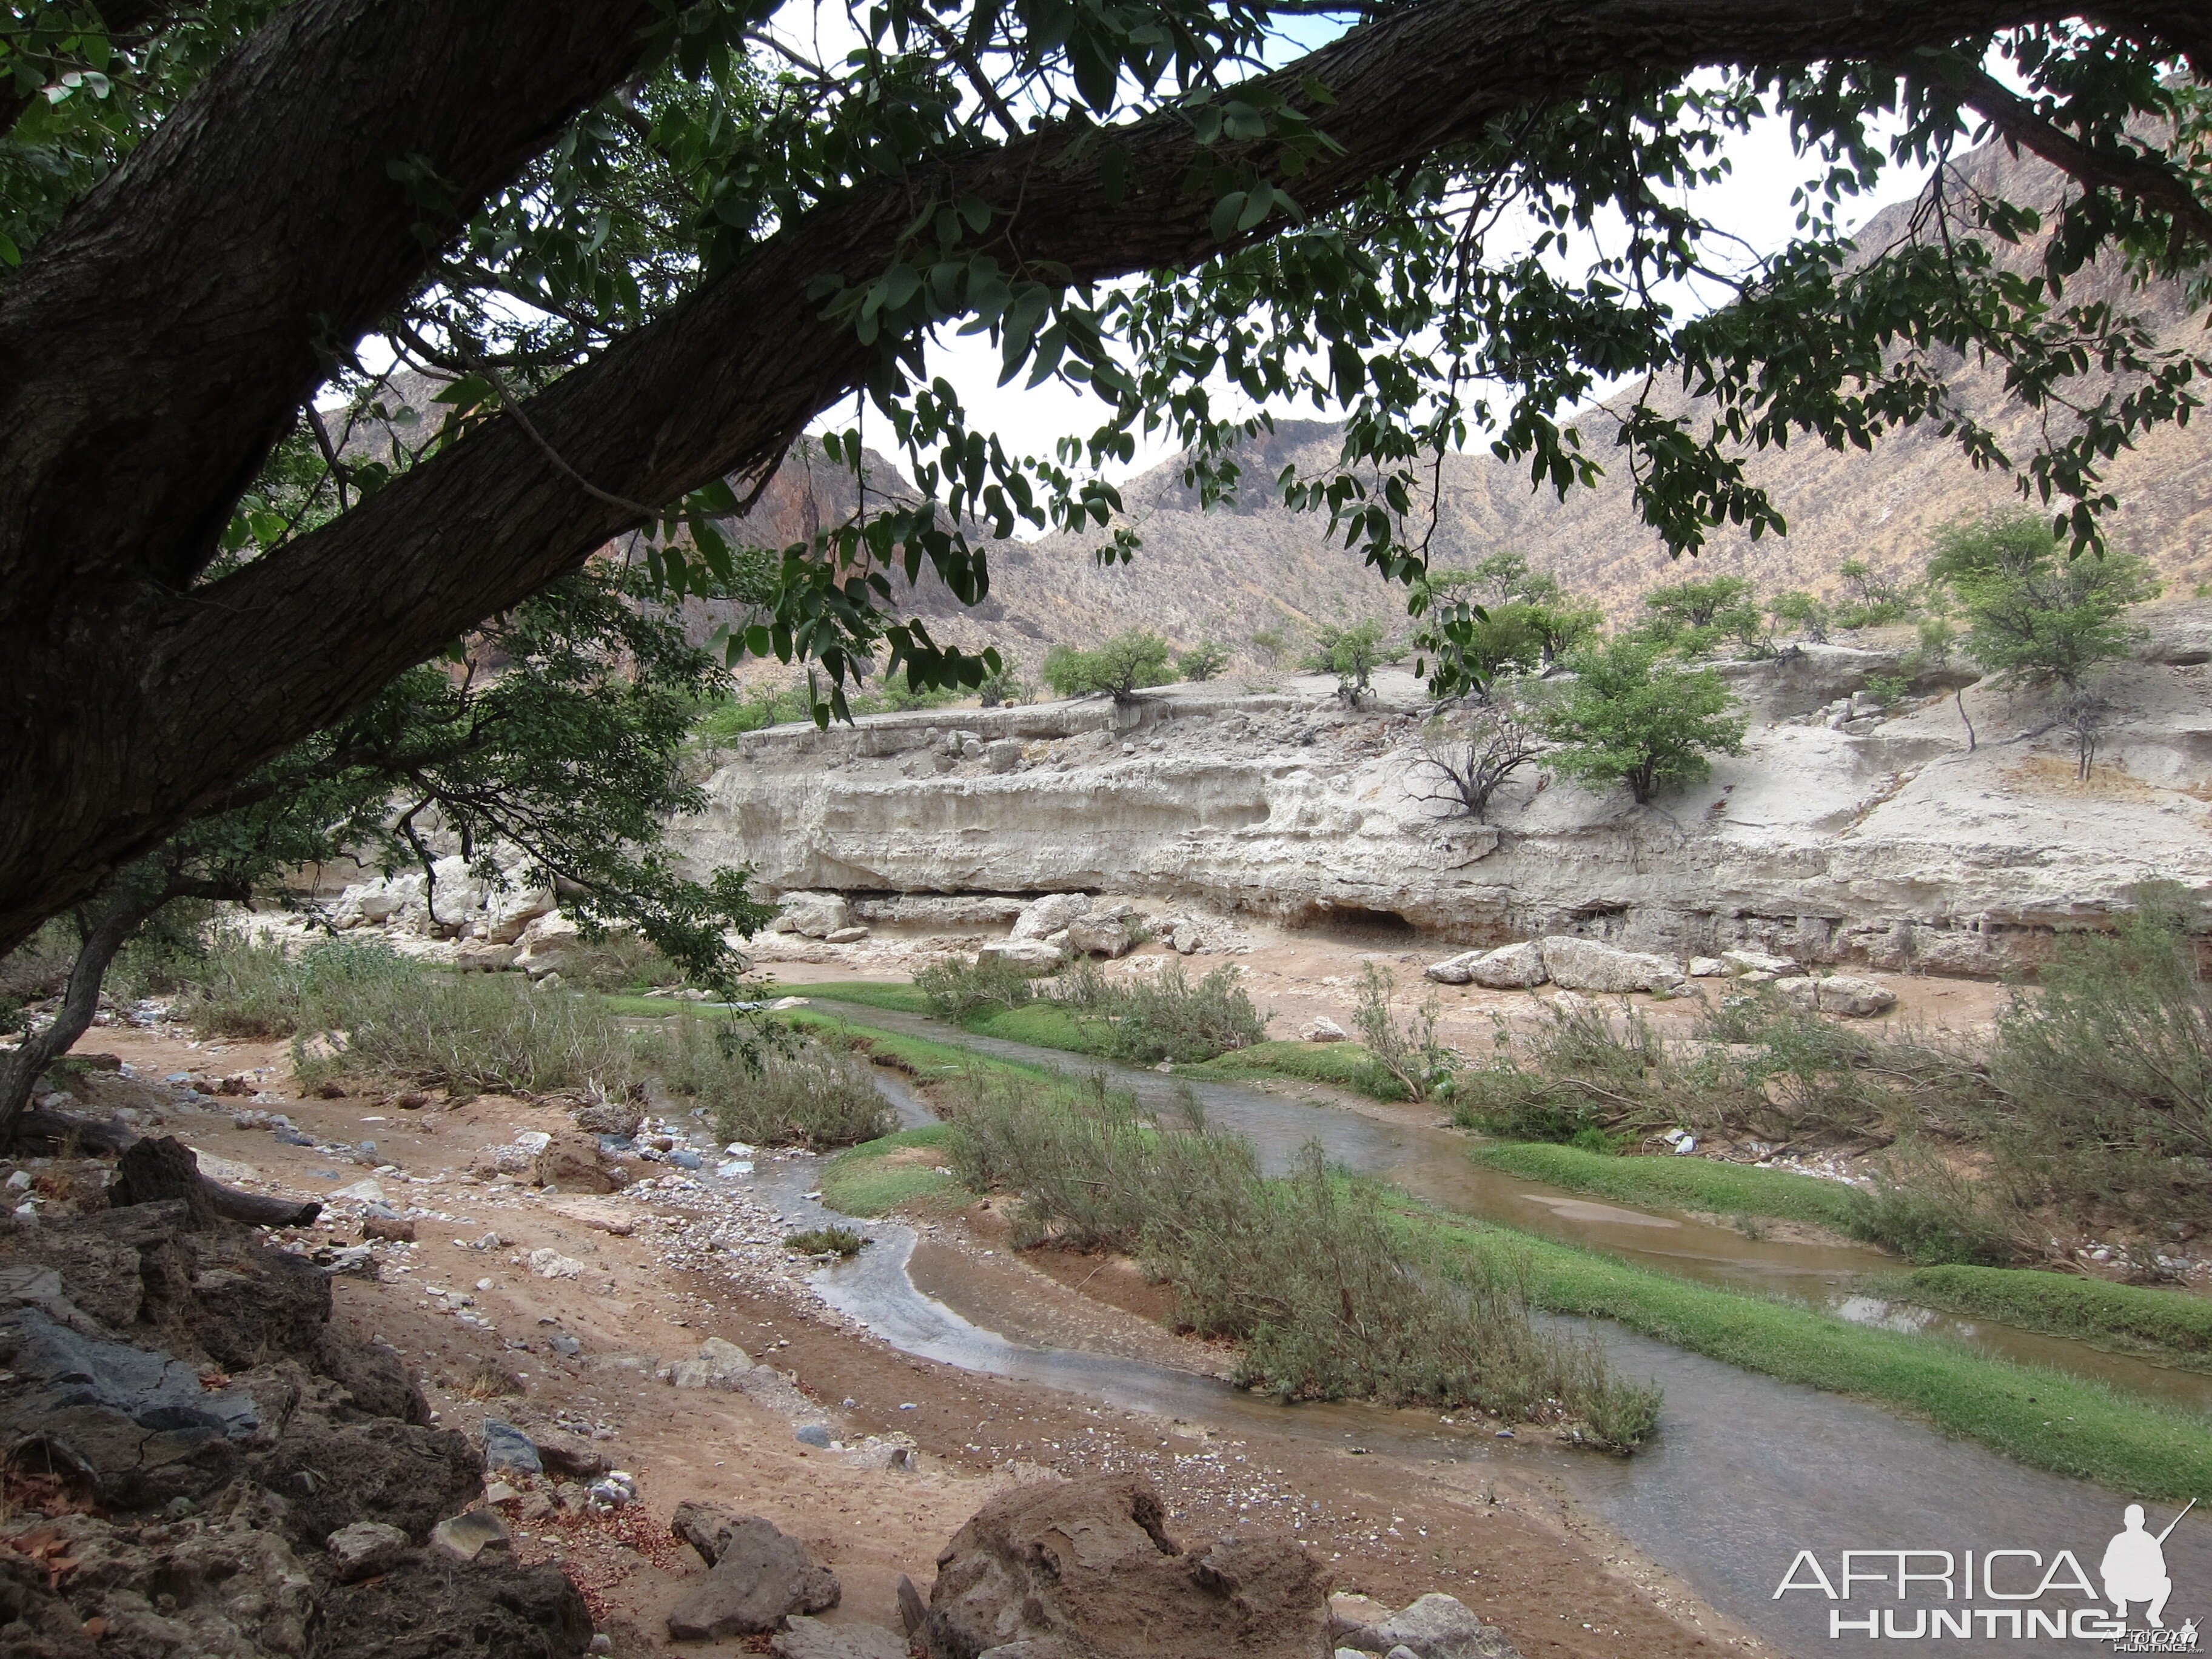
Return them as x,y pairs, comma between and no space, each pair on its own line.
260,232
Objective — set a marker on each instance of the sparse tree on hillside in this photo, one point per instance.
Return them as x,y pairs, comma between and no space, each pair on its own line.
649,242
1799,610
1123,665
1872,601
1632,717
1203,660
1353,654
1270,646
2034,612
1694,617
560,731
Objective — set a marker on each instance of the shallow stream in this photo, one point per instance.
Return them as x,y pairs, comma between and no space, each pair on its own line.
1746,1471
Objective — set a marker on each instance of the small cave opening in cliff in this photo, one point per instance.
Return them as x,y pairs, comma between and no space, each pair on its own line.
1356,924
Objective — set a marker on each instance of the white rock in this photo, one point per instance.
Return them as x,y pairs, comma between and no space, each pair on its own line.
1004,756
1708,968
1091,936
815,915
718,1365
1838,993
1048,914
1584,964
552,1264
1757,962
1510,966
362,1191
1323,1030
1453,970
845,936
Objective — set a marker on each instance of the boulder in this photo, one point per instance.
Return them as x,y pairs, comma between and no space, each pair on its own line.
1048,914
852,935
1086,1567
1003,755
570,1161
1510,966
1323,1030
1838,993
365,1549
1453,970
618,1118
478,956
1434,1627
758,1577
810,1639
507,1450
815,916
1034,955
507,914
1757,962
431,1607
466,1536
1090,936
1709,967
1584,964
718,1365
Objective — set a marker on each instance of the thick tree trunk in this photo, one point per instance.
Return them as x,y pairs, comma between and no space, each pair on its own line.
264,229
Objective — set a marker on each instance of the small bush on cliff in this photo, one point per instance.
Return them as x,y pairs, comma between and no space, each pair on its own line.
2034,610
1203,660
1631,718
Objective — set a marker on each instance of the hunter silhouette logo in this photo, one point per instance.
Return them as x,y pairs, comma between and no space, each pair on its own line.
2017,1594
2133,1568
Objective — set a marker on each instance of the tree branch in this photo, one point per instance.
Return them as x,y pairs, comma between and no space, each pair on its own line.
2131,174
132,702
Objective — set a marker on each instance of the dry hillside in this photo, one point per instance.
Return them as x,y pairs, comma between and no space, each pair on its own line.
1227,573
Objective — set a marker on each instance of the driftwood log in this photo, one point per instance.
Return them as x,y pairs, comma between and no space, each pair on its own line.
149,1170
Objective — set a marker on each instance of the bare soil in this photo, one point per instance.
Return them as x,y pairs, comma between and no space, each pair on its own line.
1500,1532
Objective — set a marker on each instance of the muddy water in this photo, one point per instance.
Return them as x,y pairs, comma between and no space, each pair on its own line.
1746,1472
1433,1165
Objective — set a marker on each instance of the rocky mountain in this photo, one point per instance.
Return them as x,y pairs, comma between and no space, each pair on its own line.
1228,573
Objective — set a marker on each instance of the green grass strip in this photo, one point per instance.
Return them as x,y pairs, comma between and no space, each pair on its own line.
1340,1065
2175,1326
1682,1183
900,998
2041,1417
860,1181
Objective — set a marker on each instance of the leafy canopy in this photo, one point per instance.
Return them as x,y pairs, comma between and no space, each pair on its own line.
1122,666
2032,611
1630,716
1486,297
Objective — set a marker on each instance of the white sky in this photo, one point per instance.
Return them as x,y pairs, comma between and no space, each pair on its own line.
1754,202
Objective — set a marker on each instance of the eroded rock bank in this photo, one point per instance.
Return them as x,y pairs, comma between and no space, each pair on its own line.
1844,833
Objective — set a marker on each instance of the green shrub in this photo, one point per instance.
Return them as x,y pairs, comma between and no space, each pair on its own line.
959,989
1123,665
241,986
463,1031
1162,1016
2103,1071
1629,718
811,1095
1328,1296
1406,1048
825,1241
1203,660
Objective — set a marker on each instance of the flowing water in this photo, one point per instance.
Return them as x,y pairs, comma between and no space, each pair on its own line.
1746,1471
